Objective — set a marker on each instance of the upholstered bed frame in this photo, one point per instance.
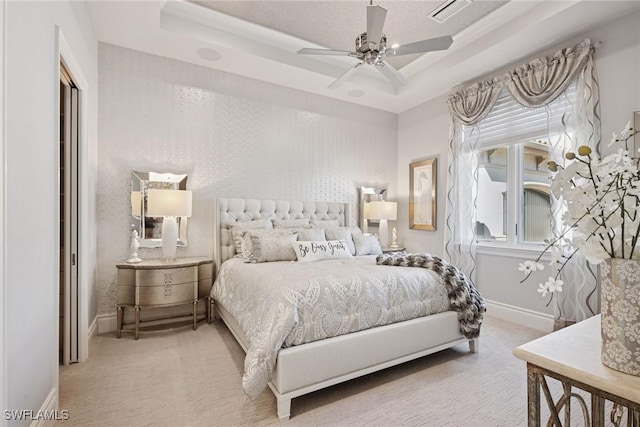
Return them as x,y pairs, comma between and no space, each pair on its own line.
305,368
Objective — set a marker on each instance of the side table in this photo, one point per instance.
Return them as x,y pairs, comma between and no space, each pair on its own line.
157,283
572,356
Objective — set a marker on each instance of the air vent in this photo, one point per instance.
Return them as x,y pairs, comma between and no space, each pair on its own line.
447,9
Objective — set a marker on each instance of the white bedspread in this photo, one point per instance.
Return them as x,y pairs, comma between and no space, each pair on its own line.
280,304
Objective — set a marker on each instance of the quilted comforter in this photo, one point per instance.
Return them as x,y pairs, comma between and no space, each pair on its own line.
281,304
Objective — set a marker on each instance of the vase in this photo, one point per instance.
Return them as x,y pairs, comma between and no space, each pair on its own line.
620,308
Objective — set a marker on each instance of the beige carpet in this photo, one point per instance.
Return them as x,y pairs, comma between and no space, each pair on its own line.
193,378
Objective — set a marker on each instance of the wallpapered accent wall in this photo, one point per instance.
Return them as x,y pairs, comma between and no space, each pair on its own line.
233,136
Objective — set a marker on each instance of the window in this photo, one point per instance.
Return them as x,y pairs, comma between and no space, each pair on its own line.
513,145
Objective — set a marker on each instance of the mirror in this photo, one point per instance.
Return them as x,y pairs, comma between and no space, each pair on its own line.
150,228
636,126
365,195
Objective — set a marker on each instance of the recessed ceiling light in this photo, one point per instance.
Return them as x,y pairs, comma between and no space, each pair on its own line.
356,93
208,54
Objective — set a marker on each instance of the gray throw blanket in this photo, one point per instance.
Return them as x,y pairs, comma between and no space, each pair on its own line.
465,298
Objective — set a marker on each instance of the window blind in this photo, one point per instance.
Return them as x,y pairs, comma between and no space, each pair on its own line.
511,123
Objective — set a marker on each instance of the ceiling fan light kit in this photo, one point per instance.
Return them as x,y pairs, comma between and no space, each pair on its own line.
371,49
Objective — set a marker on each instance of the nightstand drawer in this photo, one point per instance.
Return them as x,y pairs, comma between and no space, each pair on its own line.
205,271
204,287
126,277
167,276
166,294
126,294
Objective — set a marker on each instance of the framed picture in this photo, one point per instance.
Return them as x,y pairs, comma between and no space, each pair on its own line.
422,195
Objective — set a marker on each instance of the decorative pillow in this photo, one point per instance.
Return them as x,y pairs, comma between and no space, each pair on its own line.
239,228
291,223
268,245
316,251
312,234
343,233
325,223
367,244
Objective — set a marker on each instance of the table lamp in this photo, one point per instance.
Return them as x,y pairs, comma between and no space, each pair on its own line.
382,211
169,204
136,204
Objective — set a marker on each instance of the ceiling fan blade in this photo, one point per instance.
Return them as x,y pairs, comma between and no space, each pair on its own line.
375,21
312,51
439,43
392,74
344,77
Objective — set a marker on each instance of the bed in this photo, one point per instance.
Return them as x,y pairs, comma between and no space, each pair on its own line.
296,360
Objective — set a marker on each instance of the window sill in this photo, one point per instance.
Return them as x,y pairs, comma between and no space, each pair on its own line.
512,251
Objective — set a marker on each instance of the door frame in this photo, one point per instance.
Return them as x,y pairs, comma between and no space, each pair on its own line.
3,204
64,54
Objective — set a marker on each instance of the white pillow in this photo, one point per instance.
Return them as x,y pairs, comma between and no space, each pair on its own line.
268,245
316,251
367,244
343,233
311,234
239,228
291,223
325,223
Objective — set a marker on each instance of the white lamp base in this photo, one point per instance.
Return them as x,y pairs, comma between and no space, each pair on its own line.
169,238
383,233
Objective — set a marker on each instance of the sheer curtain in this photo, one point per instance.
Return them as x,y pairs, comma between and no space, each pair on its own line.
467,108
536,84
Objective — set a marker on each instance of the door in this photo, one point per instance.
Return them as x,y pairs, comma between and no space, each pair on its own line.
69,132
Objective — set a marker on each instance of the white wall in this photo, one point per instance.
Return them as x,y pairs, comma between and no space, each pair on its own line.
31,306
234,137
423,132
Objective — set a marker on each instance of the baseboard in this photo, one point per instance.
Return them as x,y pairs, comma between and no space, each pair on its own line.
93,328
48,412
522,316
106,323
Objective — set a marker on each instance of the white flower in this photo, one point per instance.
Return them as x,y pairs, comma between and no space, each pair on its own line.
554,285
614,139
598,201
530,266
543,289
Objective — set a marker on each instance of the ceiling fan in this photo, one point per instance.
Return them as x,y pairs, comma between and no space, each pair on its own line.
371,48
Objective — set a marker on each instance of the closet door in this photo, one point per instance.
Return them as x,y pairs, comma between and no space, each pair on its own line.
69,218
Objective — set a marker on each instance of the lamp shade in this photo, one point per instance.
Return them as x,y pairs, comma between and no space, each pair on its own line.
136,203
381,210
168,202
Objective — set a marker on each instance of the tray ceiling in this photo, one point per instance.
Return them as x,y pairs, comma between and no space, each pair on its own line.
259,39
336,24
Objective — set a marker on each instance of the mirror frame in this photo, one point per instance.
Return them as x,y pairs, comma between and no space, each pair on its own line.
365,195
636,126
141,182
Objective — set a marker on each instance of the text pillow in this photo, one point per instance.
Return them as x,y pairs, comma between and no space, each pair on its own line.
341,233
315,251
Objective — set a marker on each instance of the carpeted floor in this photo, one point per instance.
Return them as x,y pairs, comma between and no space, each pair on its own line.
193,378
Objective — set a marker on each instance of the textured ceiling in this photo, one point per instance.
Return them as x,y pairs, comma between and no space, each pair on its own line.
336,24
257,41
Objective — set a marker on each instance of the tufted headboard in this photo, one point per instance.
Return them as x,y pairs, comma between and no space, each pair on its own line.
229,211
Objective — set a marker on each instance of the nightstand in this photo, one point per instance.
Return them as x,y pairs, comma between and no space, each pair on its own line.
156,283
391,250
